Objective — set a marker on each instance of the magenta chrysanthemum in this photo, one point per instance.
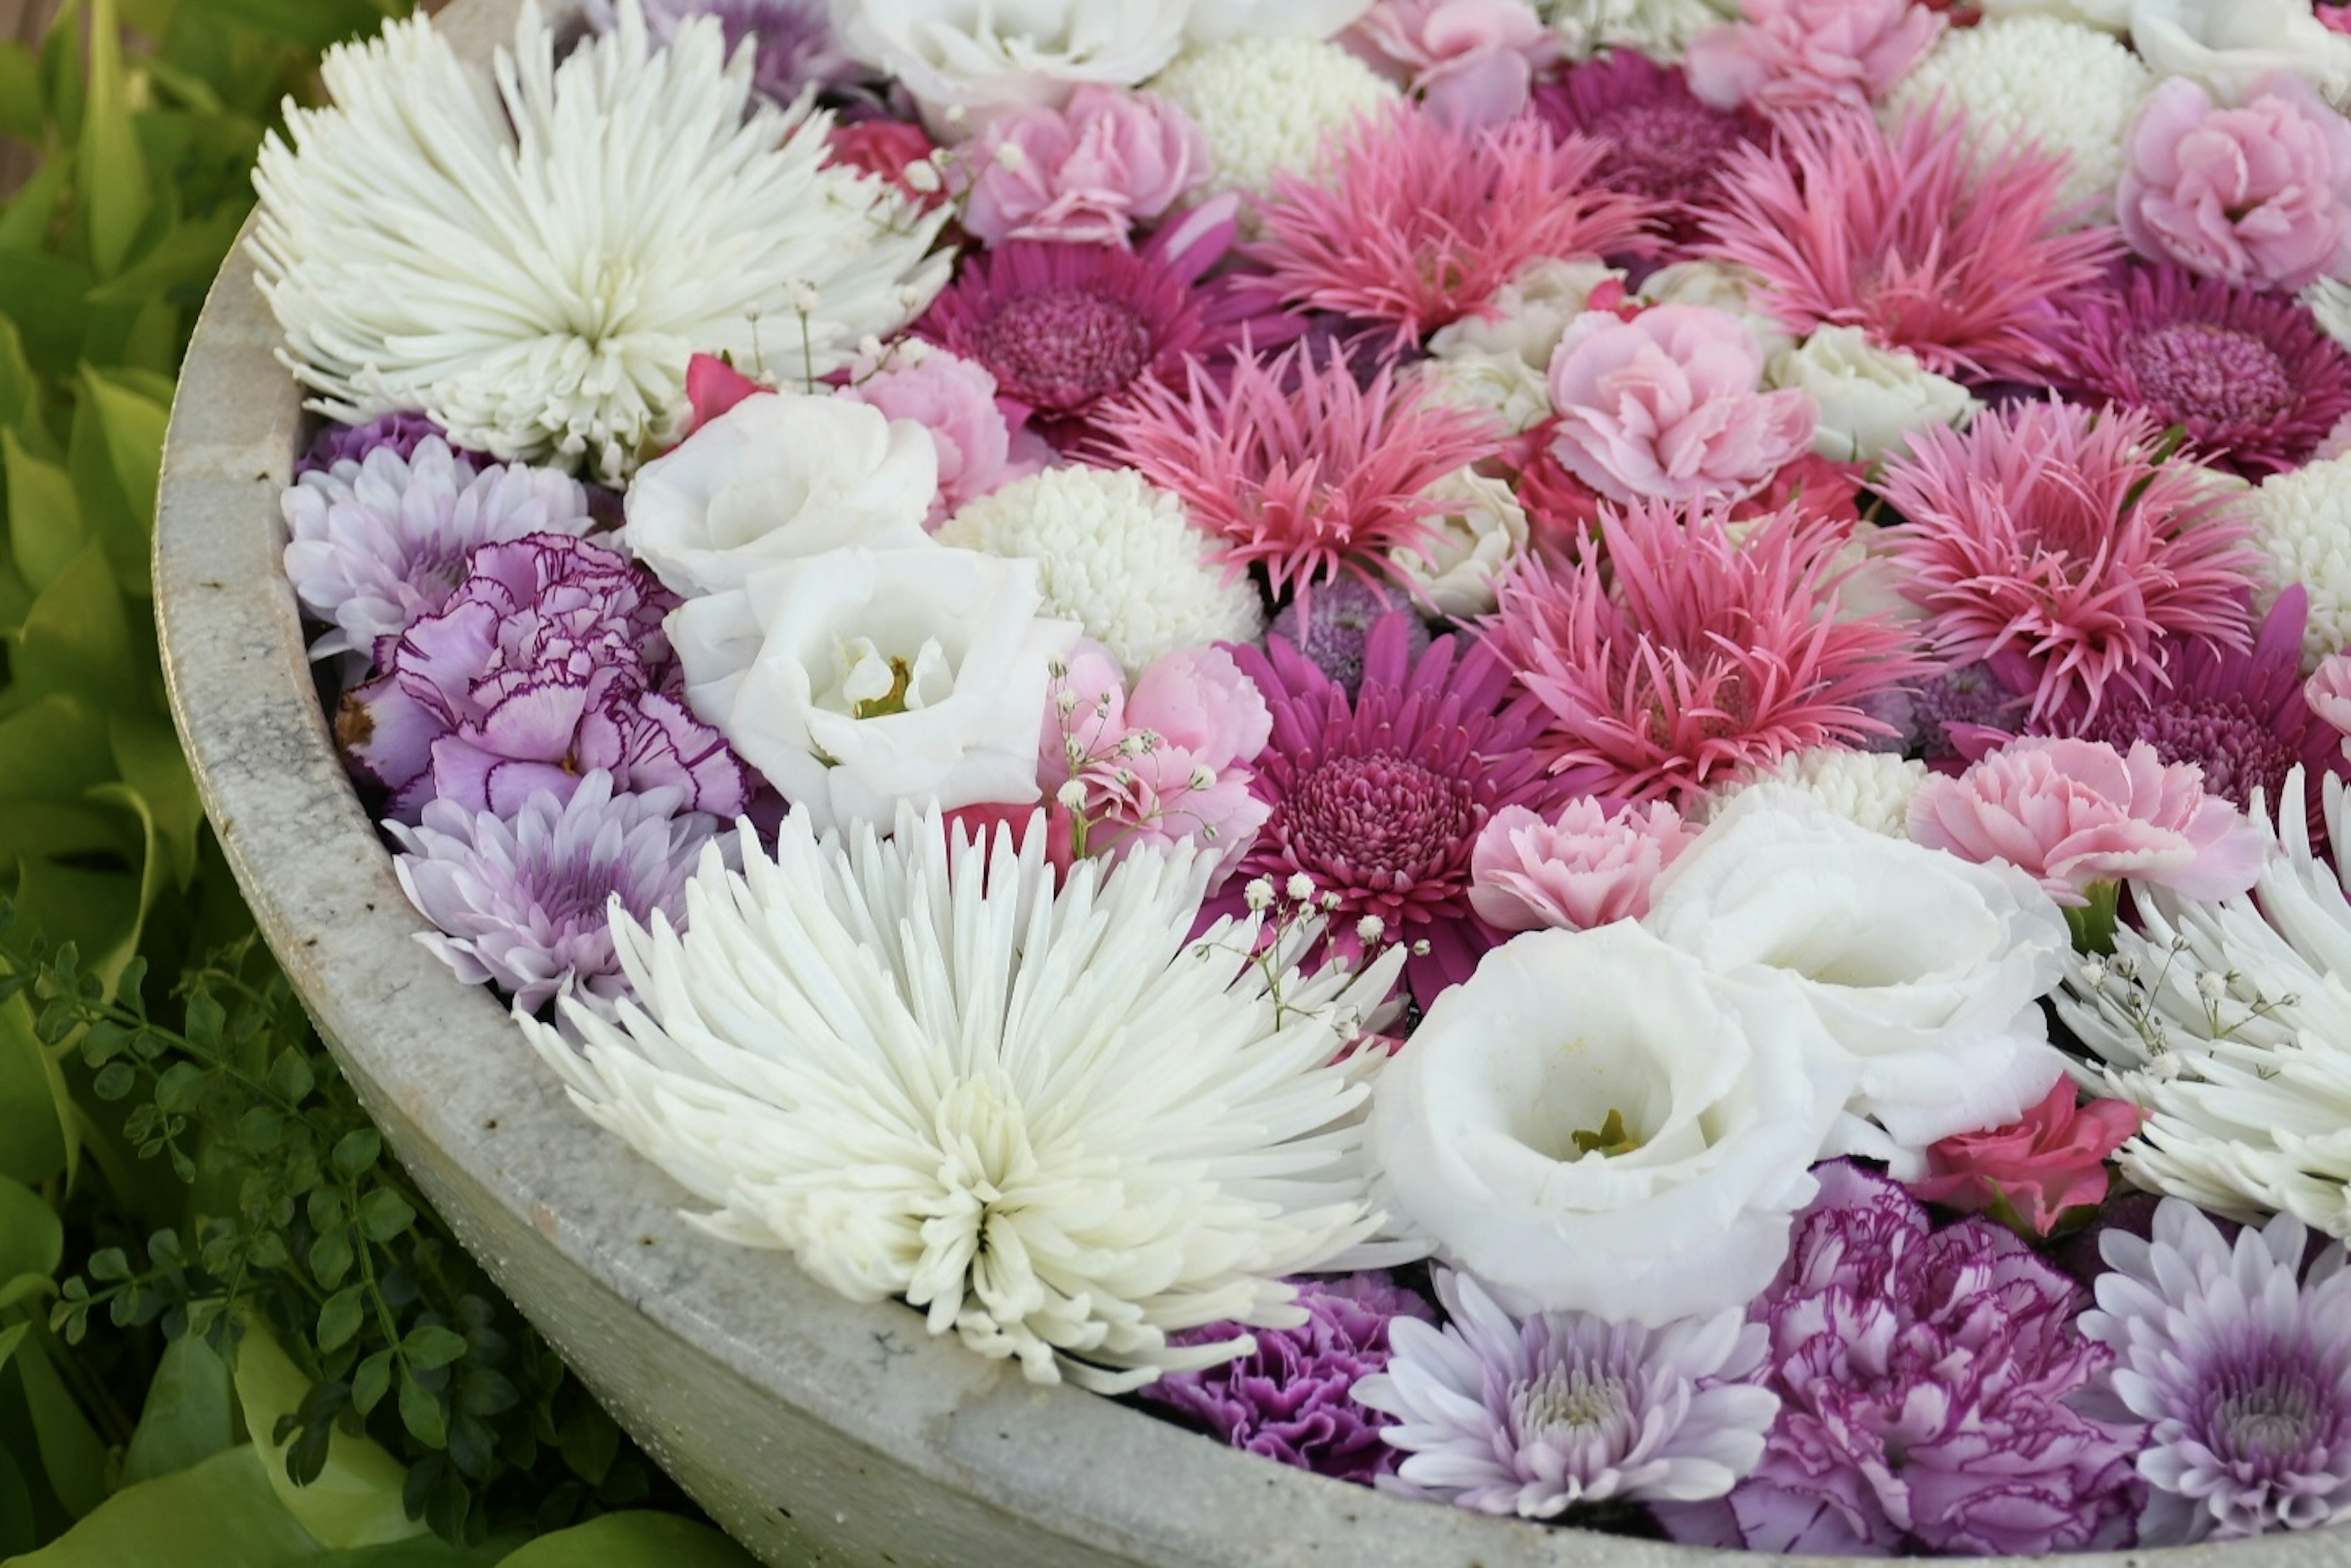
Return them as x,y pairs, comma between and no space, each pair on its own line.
1415,224
2251,377
1331,626
1298,466
1666,658
1379,801
1663,143
2061,537
1912,236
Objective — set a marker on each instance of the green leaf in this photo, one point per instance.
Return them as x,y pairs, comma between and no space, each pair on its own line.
190,1413
78,639
45,529
188,257
355,1502
32,1094
22,110
19,1526
423,1414
356,1151
43,293
114,188
221,1513
384,1213
432,1345
372,1381
32,1237
312,24
20,394
72,1453
635,1540
115,454
341,1316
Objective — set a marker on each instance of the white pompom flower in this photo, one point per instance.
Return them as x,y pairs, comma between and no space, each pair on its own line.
1266,104
2301,523
1871,790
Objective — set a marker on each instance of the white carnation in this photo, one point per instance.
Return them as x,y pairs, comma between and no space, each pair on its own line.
1502,384
2329,299
2302,522
1871,790
1722,287
1661,29
1214,21
2230,44
2106,15
956,56
1530,313
1266,104
1117,556
1870,398
1472,545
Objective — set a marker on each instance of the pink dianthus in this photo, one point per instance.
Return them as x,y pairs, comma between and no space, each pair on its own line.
1586,867
1086,172
1801,54
1471,62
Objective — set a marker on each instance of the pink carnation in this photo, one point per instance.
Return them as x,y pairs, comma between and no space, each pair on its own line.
2052,1159
1584,868
955,399
2077,812
1086,173
1800,54
2259,195
1473,62
2328,692
1669,405
886,150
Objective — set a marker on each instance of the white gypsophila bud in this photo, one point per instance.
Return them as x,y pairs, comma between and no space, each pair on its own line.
1370,928
1203,776
1065,701
1300,887
2212,985
922,175
1258,895
802,296
1071,795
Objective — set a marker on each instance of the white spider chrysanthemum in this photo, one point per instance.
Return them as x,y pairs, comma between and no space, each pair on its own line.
2302,522
1117,556
1050,1119
533,260
2068,87
1869,788
2229,1023
1265,104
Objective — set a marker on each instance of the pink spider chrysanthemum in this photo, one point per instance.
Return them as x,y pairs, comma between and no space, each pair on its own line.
2066,539
1915,235
1298,468
1413,224
1669,655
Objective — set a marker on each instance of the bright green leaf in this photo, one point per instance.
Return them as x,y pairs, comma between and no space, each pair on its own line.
147,756
190,254
27,217
72,1453
221,1513
341,1316
114,188
77,638
636,1539
22,110
32,1237
44,296
61,69
384,1213
189,1415
31,1128
54,751
312,24
10,1338
115,455
355,1502
45,529
20,394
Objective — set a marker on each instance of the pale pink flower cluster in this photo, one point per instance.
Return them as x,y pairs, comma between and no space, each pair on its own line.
1471,62
2259,195
955,399
1088,172
2077,812
2328,692
1670,405
1586,868
1804,54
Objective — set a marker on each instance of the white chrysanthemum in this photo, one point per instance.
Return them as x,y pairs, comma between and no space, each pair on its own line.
2302,522
2107,16
1045,1116
1531,312
2067,86
1265,104
533,262
1470,545
2230,1023
1502,384
1869,788
1661,29
1116,555
2329,300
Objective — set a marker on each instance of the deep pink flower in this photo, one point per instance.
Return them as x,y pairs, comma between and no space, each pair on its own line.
1414,224
1801,54
1086,172
712,387
1587,866
980,453
1663,141
2048,1160
1379,801
1665,658
2259,194
1670,405
1470,62
2077,812
1913,237
886,149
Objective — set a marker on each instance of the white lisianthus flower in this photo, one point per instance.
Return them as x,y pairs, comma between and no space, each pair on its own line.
1660,29
533,260
860,679
960,56
1214,21
1870,398
1724,287
2106,15
1926,969
1034,1107
1531,313
1470,545
1515,393
2230,44
776,477
1593,1122
1870,790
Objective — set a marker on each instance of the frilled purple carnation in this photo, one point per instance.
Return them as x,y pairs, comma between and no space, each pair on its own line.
525,902
792,40
547,663
1923,1379
1330,625
377,541
1287,1399
403,433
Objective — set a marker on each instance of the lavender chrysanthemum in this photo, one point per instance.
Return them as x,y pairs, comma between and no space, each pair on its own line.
403,431
380,542
1287,1399
1332,625
524,902
1537,1417
2242,1366
792,40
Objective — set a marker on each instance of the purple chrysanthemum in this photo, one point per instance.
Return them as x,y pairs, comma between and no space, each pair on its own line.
2242,1367
547,663
1287,1399
403,431
1972,696
2251,377
380,542
524,902
1332,625
792,40
1926,1379
1378,801
1537,1417
1663,141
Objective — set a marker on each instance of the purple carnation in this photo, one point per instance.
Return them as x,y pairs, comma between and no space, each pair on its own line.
1287,1399
792,40
1925,1379
547,663
526,902
402,432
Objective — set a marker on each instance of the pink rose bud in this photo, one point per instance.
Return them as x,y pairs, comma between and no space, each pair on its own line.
1085,175
1805,53
1584,870
1472,62
2052,1159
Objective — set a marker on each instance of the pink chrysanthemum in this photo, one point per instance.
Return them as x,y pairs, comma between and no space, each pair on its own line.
1912,236
1666,658
1662,142
2065,538
1297,466
1414,225
1070,331
1379,800
2251,377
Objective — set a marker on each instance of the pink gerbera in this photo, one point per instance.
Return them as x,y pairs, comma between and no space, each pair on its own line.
1414,224
1919,237
2066,539
1666,658
1297,466
1662,142
1378,801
